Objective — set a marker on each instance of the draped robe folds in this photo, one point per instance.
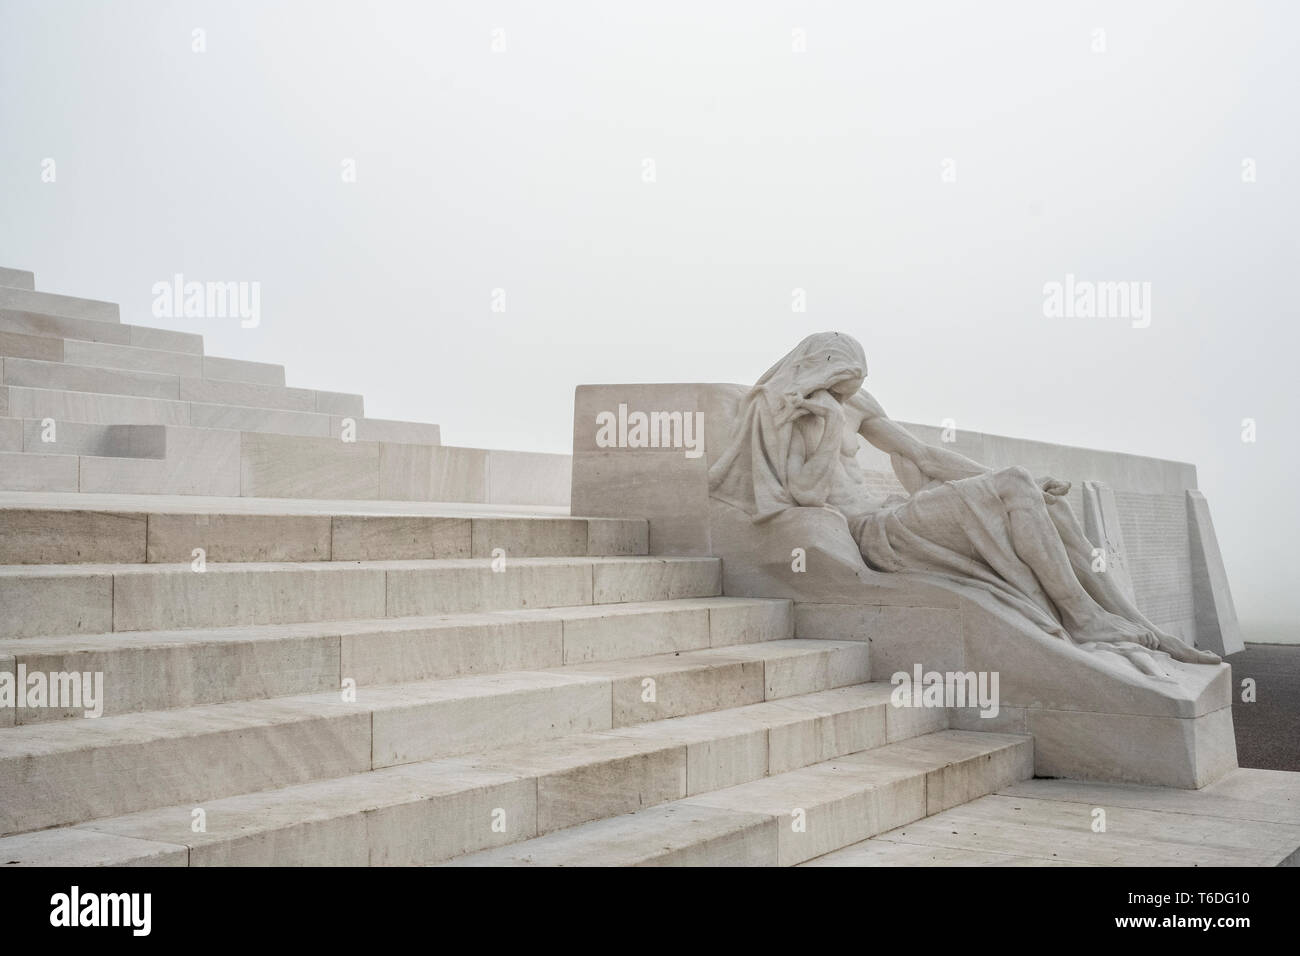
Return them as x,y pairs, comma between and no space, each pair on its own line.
753,471
956,530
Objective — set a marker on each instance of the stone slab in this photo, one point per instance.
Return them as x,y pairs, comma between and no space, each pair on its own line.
1217,629
83,378
27,471
107,355
70,537
17,278
75,847
672,835
38,347
172,538
28,299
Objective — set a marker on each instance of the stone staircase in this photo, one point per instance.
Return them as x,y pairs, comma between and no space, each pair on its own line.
302,650
92,405
481,706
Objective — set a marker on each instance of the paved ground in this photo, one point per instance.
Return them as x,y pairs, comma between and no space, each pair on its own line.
1249,818
1268,731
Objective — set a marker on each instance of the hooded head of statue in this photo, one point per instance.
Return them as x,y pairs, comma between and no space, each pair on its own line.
824,361
752,473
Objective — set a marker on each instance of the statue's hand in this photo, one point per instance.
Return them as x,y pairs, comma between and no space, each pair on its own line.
1054,486
820,403
820,409
796,405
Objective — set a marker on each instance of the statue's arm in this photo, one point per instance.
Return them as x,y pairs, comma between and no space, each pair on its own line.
931,461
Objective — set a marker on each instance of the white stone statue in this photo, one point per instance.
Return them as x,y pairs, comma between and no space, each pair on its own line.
795,445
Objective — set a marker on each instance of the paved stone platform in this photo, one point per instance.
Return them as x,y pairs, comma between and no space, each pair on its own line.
1249,818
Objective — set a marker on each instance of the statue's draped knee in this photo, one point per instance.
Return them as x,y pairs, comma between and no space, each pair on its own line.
1017,488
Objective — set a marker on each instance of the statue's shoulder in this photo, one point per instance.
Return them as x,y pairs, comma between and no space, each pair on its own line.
865,404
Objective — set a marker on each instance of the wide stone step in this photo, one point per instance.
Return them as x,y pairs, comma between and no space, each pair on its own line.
85,536
29,300
130,358
221,463
430,811
22,345
35,471
788,818
64,405
104,409
93,599
65,772
32,373
105,355
211,391
312,424
64,376
17,278
163,670
92,330
78,438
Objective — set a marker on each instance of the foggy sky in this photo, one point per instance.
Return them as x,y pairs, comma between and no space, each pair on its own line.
775,170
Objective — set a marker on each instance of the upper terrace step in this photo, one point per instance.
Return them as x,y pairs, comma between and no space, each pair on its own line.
33,373
17,278
209,461
93,407
93,330
131,358
73,535
29,300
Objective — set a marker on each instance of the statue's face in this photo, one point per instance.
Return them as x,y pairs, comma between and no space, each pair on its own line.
848,387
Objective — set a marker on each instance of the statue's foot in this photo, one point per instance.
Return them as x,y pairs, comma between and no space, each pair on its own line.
1109,628
1180,651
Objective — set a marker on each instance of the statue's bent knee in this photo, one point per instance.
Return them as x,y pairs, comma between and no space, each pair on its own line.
1016,486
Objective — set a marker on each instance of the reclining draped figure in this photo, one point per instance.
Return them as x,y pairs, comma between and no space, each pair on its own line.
1005,532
